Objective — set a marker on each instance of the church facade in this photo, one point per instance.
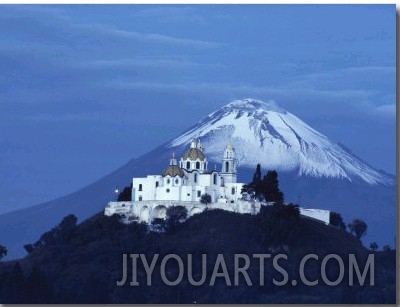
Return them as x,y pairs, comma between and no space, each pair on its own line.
188,179
183,183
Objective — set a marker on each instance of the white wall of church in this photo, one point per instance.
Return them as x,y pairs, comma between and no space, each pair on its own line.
146,211
168,192
145,188
322,215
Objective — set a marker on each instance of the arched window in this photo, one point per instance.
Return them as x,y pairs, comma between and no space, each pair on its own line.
197,165
140,198
187,165
156,184
140,187
226,167
233,190
215,178
168,181
195,178
176,181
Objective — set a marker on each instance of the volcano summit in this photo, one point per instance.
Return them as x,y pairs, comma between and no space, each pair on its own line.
264,133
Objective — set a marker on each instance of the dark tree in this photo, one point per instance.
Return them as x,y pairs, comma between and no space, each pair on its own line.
175,216
335,219
265,189
126,194
29,248
3,252
253,190
373,246
67,225
59,233
257,182
48,237
358,228
247,192
270,188
386,248
205,199
158,225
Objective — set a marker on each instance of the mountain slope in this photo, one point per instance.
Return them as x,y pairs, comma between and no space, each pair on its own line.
263,133
313,172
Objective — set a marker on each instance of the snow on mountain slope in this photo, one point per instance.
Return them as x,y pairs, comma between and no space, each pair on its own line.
264,133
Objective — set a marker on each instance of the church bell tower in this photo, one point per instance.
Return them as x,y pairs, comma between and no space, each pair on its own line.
228,172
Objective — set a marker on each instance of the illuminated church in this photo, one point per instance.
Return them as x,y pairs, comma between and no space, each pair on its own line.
189,178
184,183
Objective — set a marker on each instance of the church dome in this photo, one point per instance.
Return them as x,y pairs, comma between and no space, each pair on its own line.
173,170
193,154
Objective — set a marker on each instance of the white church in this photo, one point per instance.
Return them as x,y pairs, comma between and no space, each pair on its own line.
189,179
184,183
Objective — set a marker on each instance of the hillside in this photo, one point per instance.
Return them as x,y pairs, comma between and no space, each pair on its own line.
83,263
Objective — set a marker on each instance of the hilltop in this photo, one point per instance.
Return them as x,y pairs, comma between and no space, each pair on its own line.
81,264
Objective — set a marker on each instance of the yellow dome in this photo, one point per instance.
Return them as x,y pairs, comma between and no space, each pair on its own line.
194,154
173,170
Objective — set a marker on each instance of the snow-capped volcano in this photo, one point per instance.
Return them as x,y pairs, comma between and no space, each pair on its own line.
261,132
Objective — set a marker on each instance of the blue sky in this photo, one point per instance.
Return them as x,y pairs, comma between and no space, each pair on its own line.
86,88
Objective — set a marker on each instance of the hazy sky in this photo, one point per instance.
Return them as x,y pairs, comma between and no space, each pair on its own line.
86,88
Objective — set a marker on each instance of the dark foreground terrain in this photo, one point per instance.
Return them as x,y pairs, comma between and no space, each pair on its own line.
82,263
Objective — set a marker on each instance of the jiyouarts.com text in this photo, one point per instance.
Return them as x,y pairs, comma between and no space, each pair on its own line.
347,270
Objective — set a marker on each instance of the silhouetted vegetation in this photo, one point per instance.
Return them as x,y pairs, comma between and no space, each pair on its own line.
176,215
335,219
81,264
3,252
205,199
29,248
126,194
373,246
358,228
386,248
265,189
57,234
270,188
